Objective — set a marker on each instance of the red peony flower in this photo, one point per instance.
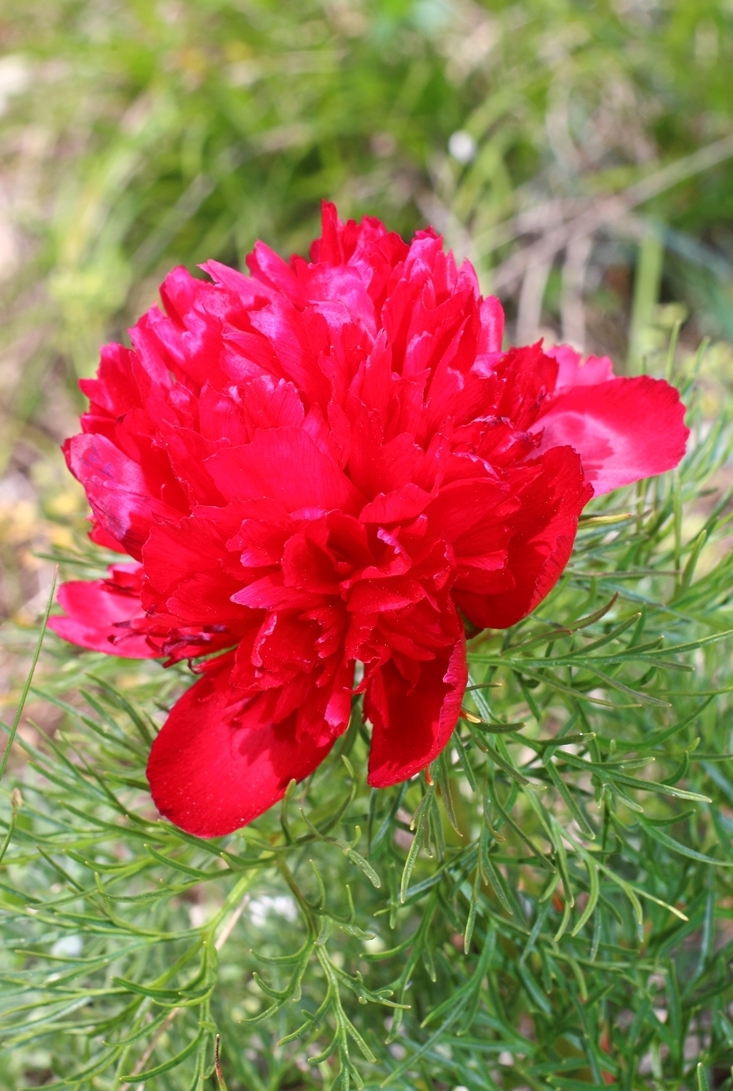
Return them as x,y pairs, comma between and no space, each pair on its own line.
325,464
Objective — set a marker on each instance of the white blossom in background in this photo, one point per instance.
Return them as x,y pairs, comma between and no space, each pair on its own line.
281,905
15,76
462,146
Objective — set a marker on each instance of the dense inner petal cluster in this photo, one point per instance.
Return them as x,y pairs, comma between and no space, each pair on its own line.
329,463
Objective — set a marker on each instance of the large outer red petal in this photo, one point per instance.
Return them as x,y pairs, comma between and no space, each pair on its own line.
412,723
95,618
210,773
623,429
543,534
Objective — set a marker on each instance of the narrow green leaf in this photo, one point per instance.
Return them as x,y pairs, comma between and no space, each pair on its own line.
29,678
594,891
683,850
568,799
166,1066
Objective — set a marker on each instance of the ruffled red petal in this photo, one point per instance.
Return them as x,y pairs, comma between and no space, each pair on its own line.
413,716
121,495
285,465
98,617
573,370
543,531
